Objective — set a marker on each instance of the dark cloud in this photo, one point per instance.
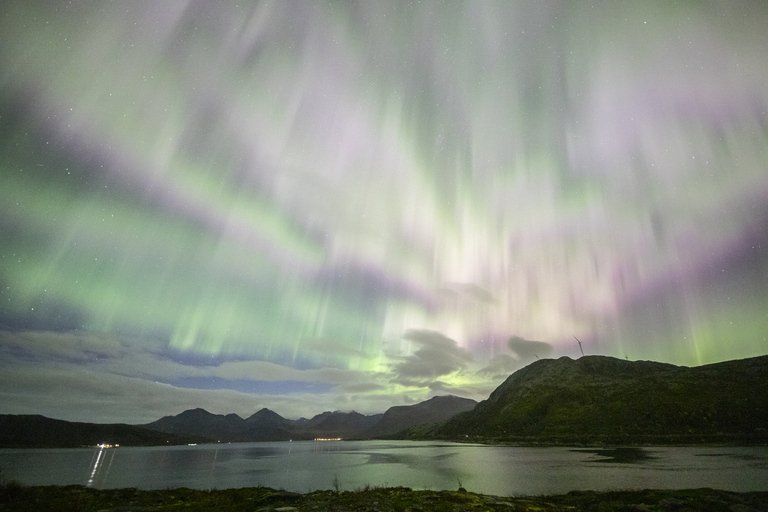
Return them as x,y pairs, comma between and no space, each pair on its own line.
438,355
440,388
526,349
78,393
73,347
500,366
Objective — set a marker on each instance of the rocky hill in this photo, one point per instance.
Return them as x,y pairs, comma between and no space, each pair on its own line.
598,399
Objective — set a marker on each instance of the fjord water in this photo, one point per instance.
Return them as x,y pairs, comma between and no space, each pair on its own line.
310,465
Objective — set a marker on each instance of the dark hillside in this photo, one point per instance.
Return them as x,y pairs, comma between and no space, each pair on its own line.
266,425
604,399
338,424
35,431
434,410
202,423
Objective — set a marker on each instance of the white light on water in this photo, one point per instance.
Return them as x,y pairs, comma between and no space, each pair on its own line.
96,464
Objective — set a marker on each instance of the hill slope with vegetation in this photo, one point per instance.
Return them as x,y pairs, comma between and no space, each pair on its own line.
598,399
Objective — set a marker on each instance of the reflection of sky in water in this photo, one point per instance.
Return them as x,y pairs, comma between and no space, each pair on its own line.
620,455
299,467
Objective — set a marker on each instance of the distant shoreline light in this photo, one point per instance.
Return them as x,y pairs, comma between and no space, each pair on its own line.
327,439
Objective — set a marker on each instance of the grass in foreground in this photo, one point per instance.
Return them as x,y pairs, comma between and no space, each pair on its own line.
75,497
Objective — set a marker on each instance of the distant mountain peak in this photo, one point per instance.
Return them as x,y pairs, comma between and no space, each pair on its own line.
444,397
434,410
265,414
196,411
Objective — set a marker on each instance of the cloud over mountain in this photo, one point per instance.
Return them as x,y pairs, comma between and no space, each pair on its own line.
436,356
526,349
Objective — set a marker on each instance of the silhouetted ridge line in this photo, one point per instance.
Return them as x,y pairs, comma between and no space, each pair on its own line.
596,399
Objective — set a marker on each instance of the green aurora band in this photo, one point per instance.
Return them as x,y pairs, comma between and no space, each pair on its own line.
372,202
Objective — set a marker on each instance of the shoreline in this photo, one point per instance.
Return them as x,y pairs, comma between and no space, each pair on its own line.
18,497
521,441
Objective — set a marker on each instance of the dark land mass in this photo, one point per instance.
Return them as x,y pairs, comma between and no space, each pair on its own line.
267,425
603,400
264,425
79,498
432,411
593,400
339,424
201,426
201,423
34,431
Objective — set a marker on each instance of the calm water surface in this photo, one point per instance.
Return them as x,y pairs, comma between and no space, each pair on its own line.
310,465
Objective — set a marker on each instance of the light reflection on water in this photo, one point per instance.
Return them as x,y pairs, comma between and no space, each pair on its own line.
96,464
307,465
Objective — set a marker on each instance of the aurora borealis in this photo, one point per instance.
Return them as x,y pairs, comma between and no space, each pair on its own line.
314,206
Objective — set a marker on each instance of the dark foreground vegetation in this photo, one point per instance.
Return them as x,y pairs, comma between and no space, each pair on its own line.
76,497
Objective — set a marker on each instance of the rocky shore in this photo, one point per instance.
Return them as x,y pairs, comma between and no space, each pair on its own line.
18,497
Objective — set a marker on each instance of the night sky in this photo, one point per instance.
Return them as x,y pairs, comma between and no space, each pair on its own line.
313,206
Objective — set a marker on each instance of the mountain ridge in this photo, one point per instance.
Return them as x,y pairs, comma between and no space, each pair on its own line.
434,410
589,400
190,426
605,399
37,431
267,425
